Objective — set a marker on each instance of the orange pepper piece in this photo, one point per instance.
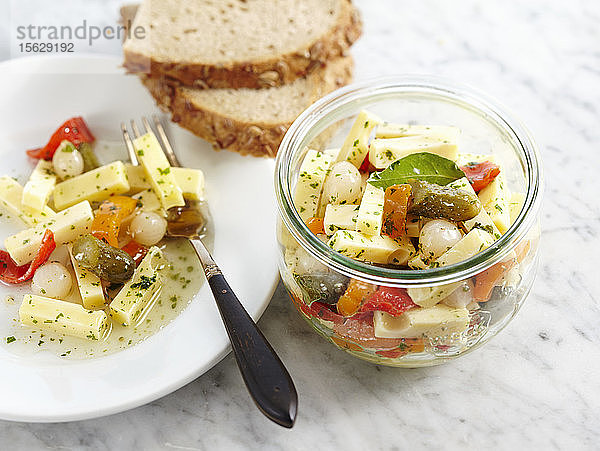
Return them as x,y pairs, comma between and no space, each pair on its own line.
407,346
110,215
345,344
315,225
522,250
488,279
349,303
395,206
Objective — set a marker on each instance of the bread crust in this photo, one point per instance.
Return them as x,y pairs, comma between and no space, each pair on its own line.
257,74
247,138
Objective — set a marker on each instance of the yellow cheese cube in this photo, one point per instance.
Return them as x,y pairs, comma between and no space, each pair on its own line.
148,200
313,171
356,245
356,145
441,132
140,292
63,317
384,151
333,151
190,181
465,158
39,187
416,262
370,212
11,195
137,178
158,171
405,251
472,243
67,225
95,185
494,198
437,321
90,286
339,217
430,296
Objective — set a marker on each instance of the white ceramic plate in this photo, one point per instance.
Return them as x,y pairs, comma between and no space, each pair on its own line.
38,95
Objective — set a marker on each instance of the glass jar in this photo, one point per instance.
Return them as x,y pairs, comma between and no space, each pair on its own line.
486,128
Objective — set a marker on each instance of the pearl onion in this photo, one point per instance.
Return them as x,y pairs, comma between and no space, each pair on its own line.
52,280
67,161
437,236
461,297
342,185
307,264
148,228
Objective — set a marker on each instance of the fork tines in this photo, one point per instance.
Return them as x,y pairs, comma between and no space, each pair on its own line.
160,133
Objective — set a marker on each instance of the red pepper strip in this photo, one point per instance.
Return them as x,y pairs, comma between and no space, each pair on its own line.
11,273
394,301
366,164
481,174
74,130
136,251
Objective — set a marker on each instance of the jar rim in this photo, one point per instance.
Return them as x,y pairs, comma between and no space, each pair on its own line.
443,89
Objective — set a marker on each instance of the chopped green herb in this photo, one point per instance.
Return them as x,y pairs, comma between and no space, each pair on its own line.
145,282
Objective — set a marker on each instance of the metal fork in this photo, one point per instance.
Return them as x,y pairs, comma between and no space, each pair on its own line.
265,376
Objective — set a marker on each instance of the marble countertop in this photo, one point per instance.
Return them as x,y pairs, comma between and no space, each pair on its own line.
536,385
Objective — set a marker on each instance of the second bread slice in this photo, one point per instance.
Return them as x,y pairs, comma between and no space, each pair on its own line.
248,121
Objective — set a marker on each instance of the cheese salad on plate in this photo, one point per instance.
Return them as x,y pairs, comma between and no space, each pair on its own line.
89,263
402,197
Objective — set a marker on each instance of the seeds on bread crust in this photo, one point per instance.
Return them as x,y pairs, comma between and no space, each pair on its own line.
251,135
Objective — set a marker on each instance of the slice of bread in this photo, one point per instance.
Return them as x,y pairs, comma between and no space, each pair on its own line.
238,43
248,121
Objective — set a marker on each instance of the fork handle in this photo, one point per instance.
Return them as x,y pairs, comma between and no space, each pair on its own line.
265,376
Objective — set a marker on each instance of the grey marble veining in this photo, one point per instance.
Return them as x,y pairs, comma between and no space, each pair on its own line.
536,385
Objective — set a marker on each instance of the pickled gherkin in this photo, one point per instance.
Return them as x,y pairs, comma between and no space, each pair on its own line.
89,157
326,288
436,201
102,259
